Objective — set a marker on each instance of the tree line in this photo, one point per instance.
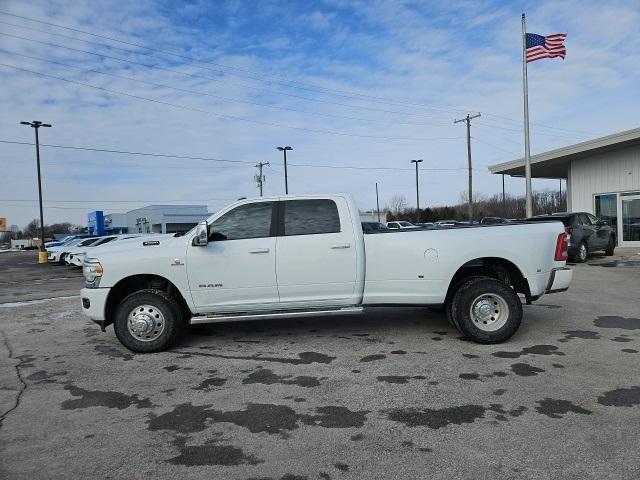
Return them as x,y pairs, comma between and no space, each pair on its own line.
512,206
32,230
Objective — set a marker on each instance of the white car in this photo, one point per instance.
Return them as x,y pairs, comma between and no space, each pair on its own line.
301,256
402,225
76,257
57,254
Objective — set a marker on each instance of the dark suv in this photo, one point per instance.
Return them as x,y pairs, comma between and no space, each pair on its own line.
586,233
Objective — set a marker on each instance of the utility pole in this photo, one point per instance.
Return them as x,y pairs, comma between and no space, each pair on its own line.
42,256
467,120
377,203
417,191
504,201
286,182
260,177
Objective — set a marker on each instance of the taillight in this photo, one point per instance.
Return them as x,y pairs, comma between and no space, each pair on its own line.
562,248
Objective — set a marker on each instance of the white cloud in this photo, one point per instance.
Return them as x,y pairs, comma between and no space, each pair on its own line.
448,58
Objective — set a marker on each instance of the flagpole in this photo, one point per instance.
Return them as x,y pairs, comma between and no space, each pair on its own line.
525,88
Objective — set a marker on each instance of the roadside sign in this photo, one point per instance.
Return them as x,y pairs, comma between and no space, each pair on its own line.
3,223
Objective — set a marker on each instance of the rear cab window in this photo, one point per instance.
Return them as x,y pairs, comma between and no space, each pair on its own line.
310,217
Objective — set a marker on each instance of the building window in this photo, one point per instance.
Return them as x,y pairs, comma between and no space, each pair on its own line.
631,219
607,209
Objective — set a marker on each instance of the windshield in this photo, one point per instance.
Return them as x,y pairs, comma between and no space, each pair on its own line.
102,241
87,241
70,240
406,224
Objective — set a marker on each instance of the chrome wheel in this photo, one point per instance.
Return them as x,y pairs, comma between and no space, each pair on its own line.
145,323
582,252
489,312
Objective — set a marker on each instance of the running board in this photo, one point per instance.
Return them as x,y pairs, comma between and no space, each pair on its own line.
200,319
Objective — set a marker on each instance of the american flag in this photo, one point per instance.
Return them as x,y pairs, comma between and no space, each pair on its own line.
550,46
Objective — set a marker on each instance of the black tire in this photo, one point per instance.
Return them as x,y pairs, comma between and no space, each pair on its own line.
159,305
61,261
492,293
611,245
582,254
449,300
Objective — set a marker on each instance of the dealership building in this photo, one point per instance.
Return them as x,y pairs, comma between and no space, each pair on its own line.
603,178
149,219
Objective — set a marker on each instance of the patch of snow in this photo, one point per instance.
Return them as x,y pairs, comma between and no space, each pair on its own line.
32,302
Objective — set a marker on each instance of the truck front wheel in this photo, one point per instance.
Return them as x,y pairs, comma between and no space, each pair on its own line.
486,310
148,321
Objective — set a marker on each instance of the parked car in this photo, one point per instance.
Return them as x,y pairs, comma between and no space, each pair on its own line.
445,223
586,233
494,221
58,254
57,243
373,227
66,252
401,225
269,258
76,257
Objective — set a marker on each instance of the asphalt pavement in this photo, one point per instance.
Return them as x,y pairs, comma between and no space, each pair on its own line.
393,394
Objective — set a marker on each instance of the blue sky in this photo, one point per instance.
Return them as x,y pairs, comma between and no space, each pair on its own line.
346,83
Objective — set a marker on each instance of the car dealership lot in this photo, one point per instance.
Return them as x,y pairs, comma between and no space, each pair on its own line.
393,394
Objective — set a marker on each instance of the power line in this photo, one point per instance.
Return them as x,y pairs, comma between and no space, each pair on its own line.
140,200
221,115
211,159
219,97
217,80
261,75
56,207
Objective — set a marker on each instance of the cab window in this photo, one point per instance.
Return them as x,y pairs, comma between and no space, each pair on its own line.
252,220
309,217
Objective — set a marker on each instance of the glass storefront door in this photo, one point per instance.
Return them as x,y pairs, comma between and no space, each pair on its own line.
607,209
630,221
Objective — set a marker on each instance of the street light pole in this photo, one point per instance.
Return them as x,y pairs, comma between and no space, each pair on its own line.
36,125
377,203
286,182
417,191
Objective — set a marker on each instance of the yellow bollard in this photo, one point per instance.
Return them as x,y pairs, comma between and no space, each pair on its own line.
42,256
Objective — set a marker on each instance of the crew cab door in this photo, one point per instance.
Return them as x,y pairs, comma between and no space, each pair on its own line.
316,254
237,267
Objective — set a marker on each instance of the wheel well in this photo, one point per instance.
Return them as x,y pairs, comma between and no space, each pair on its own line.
494,267
134,283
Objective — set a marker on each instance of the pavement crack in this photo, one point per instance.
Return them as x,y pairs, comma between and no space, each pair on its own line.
23,384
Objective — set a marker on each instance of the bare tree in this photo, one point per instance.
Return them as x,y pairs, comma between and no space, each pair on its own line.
397,205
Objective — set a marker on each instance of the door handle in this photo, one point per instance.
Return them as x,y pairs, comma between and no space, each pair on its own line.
259,250
340,245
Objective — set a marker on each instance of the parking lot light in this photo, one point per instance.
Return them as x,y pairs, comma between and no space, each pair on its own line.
36,124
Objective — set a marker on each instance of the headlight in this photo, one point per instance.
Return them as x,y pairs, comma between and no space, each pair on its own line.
92,271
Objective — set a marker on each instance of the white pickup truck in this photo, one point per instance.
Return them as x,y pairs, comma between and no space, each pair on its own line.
291,256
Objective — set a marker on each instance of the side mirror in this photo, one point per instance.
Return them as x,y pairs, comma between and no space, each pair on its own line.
604,223
202,235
